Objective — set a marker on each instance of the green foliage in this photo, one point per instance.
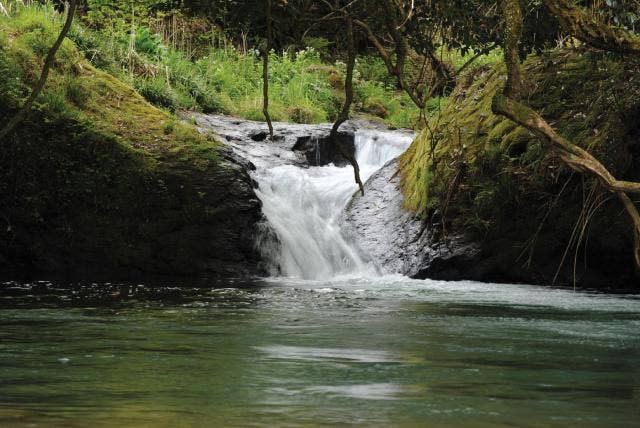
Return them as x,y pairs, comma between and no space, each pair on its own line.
87,170
148,43
120,15
303,88
459,58
373,69
97,47
76,92
320,44
485,170
157,91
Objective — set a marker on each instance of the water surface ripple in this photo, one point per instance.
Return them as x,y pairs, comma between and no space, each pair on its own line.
376,352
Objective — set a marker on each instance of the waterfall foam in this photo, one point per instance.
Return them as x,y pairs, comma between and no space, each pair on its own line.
303,205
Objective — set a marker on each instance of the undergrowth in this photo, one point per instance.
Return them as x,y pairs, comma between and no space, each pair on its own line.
83,113
215,77
223,79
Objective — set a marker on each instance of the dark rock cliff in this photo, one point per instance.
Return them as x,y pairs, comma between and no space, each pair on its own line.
115,186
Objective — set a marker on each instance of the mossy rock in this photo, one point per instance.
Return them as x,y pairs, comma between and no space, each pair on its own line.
495,182
377,109
98,179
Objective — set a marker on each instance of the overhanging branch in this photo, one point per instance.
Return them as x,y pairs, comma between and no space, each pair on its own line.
587,28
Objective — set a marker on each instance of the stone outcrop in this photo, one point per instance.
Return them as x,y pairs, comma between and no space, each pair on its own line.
295,144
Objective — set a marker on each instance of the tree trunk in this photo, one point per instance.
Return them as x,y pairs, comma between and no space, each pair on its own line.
348,100
265,69
39,86
512,12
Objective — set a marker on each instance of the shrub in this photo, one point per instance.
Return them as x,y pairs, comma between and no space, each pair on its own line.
92,45
149,43
209,102
376,108
304,114
157,91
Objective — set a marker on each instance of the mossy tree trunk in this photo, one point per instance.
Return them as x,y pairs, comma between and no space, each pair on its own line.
587,28
39,86
348,100
508,104
512,13
265,67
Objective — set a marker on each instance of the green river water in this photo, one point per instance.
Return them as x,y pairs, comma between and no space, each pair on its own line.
383,352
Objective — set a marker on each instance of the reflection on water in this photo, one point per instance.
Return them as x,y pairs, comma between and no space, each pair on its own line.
327,354
372,391
389,351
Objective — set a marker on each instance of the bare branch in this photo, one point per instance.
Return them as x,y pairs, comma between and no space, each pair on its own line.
409,15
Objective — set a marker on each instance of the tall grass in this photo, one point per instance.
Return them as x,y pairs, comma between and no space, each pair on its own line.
226,80
217,78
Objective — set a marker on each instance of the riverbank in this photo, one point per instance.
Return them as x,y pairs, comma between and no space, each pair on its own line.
99,180
484,183
96,179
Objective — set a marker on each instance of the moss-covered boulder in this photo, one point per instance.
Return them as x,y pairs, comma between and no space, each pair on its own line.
96,178
478,177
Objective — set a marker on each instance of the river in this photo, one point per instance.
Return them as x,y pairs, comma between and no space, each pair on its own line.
328,340
281,352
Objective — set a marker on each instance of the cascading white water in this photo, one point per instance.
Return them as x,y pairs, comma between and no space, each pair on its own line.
375,148
303,205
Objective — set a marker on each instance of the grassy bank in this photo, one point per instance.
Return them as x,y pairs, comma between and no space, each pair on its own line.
223,79
96,175
216,77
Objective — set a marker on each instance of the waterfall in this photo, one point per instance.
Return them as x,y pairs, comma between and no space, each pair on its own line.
303,205
375,148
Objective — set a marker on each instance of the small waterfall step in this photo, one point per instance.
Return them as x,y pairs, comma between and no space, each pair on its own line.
303,204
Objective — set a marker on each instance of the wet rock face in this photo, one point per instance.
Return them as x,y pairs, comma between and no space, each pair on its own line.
399,242
220,241
293,144
321,150
179,220
393,238
396,240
